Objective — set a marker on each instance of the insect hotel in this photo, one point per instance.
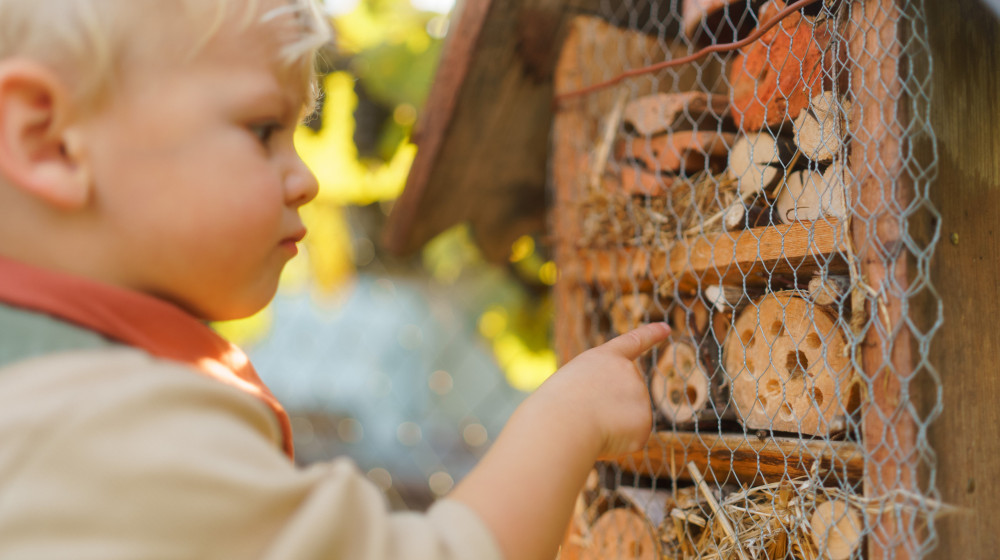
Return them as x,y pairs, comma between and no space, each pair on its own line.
808,193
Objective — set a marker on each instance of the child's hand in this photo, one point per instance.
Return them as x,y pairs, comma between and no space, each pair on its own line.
604,389
595,406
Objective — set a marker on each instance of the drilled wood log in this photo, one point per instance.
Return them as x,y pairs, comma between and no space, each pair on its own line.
679,384
774,77
688,110
621,533
789,367
810,195
684,152
758,160
821,130
836,530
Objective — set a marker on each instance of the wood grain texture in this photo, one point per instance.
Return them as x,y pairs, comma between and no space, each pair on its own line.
881,186
482,138
583,60
774,77
747,256
747,459
965,114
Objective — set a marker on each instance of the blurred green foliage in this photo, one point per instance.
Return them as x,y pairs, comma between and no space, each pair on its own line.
379,74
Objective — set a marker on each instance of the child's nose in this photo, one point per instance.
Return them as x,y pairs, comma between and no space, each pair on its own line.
301,185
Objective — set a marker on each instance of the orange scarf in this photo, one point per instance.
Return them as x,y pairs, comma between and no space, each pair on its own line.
145,322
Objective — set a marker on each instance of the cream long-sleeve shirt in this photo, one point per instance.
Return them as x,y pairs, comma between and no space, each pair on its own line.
110,454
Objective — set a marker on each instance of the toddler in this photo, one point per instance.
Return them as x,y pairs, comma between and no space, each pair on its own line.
148,183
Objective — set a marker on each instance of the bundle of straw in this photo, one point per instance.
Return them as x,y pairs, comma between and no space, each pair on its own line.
612,219
799,519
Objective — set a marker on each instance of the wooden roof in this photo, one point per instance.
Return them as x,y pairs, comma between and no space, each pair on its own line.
483,137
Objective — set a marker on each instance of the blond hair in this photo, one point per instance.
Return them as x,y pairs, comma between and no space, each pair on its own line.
88,40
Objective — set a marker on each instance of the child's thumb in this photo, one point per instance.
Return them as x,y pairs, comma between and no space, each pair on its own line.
633,343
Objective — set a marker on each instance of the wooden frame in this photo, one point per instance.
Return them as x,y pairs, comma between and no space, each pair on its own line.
883,462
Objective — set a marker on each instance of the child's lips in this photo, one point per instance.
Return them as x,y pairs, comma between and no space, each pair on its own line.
291,241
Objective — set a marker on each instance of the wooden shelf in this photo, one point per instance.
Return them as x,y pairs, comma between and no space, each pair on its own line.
747,458
748,257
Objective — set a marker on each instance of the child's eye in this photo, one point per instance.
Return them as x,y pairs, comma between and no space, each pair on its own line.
264,131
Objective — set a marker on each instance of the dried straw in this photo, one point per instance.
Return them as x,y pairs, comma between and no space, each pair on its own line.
770,520
613,219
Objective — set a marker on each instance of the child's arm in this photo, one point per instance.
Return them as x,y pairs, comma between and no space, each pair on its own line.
595,406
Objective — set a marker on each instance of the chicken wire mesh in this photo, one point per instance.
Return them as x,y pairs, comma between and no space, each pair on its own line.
745,171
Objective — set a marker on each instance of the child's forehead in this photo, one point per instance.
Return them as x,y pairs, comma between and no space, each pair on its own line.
254,41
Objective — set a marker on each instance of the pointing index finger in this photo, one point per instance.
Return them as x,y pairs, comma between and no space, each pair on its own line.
632,344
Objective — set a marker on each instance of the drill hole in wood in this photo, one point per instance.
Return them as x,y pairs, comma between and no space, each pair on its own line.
813,340
796,363
787,411
773,386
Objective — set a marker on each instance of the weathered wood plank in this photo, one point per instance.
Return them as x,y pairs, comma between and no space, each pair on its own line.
965,114
483,136
739,258
746,458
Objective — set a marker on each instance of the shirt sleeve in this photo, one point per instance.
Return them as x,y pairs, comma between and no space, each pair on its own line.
117,455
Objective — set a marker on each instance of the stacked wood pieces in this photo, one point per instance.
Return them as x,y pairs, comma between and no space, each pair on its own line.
774,77
787,80
666,171
768,156
804,175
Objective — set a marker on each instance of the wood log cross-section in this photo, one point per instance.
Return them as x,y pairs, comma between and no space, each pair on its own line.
821,130
789,368
828,290
621,533
809,195
836,530
758,160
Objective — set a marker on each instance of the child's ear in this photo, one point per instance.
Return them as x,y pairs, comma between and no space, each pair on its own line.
39,153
